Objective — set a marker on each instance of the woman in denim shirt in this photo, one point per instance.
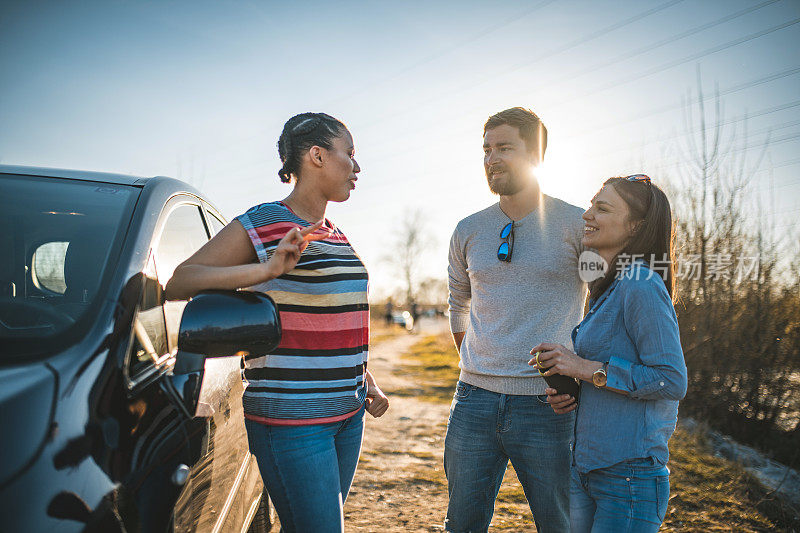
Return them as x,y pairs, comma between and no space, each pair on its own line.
630,363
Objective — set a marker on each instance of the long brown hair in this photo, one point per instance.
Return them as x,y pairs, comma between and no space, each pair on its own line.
653,239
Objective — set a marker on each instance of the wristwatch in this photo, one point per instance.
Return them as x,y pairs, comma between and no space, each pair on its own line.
600,376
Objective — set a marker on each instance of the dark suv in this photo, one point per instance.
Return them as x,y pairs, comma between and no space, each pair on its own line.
116,414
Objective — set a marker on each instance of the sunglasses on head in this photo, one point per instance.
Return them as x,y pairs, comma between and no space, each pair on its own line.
643,178
507,244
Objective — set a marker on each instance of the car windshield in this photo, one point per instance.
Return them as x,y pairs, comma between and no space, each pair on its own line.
57,237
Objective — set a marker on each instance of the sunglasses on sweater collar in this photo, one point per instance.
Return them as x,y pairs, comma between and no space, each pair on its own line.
507,242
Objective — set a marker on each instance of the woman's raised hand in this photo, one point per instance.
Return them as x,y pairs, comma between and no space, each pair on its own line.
291,246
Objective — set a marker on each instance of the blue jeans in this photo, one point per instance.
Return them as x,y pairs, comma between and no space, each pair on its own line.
307,470
485,430
628,497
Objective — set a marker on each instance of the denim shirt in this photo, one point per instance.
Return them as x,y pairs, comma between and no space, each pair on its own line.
633,327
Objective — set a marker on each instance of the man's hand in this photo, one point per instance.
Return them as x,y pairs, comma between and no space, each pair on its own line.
458,338
561,403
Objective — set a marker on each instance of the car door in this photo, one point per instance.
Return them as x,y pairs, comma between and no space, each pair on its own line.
248,489
224,482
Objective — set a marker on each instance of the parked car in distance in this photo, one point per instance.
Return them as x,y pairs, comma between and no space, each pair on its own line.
404,319
120,411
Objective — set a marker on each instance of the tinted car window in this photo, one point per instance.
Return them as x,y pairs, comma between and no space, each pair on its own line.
183,234
149,335
58,239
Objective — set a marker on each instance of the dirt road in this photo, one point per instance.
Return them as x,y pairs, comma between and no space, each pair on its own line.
400,484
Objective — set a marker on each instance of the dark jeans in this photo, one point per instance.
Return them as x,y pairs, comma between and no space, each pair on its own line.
485,430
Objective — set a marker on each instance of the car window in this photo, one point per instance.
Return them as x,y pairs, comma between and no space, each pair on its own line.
47,266
60,240
183,234
149,333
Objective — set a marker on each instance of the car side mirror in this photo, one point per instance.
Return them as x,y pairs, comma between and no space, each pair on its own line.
219,323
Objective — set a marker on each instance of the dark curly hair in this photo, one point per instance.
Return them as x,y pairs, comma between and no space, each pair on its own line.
300,133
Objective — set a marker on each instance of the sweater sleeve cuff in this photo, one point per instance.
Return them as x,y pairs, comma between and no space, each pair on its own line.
458,322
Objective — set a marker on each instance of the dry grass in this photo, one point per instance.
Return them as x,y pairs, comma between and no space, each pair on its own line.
707,493
432,364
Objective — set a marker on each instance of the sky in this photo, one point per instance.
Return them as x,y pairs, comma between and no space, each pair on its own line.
200,91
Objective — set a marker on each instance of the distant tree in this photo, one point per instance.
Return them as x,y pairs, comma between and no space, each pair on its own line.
411,242
433,292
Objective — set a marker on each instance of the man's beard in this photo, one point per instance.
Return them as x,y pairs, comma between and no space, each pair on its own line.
509,185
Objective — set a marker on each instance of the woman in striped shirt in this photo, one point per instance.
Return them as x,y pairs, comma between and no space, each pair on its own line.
304,403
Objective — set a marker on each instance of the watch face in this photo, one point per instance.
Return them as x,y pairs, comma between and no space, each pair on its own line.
599,378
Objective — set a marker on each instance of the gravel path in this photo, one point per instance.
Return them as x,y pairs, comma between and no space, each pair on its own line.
400,483
396,488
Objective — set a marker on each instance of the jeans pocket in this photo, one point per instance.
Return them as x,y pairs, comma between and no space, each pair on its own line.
646,499
662,496
463,391
542,398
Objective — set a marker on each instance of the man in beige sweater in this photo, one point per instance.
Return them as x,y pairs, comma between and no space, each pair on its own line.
513,279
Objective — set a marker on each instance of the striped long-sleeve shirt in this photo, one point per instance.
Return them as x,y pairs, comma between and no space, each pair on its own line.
316,374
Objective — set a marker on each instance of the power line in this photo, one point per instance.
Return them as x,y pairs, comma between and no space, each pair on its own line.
770,187
635,77
687,59
550,53
433,57
782,164
658,44
672,64
773,188
668,65
766,144
399,73
743,118
599,33
730,90
674,164
572,44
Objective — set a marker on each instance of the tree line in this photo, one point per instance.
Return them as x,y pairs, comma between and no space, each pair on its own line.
739,290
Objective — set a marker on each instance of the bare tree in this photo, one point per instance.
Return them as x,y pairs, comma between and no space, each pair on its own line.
433,292
411,241
740,329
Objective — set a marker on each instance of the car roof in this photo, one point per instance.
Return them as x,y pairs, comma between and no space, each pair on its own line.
156,183
86,175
